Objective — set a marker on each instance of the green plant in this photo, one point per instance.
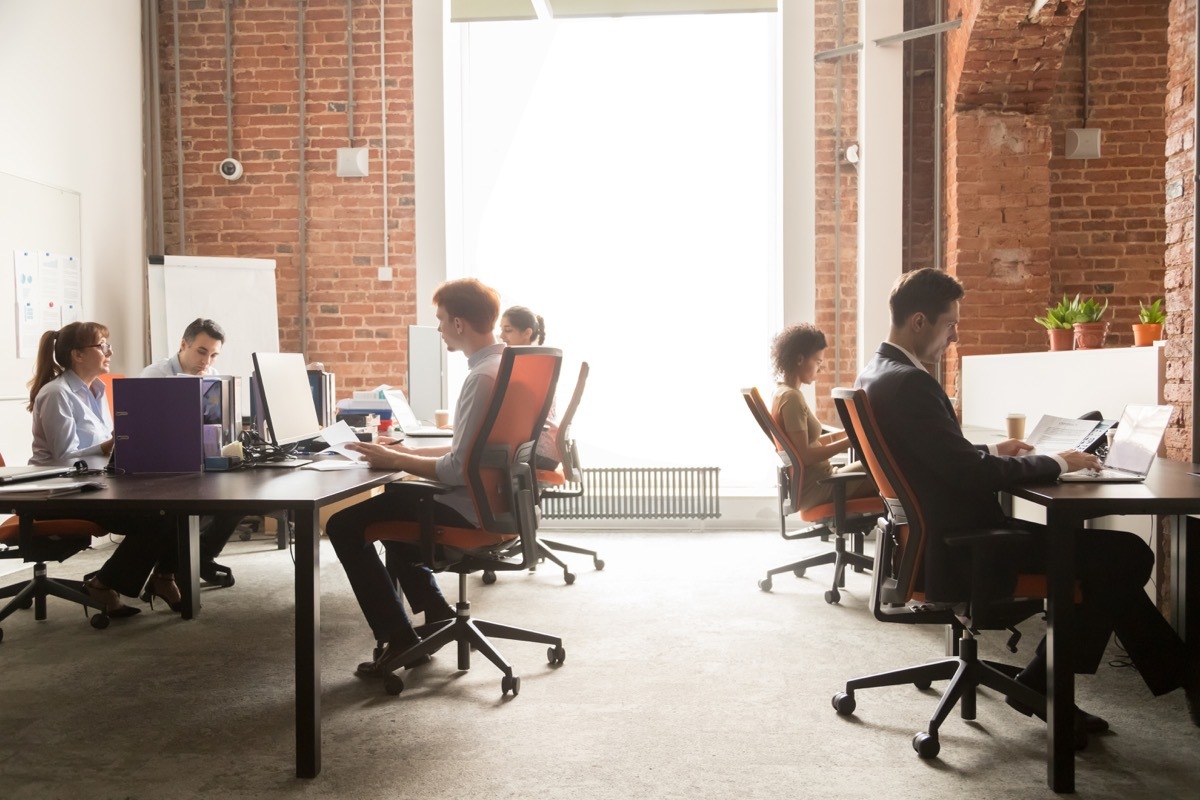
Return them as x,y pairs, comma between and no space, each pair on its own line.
1152,314
1089,310
1060,317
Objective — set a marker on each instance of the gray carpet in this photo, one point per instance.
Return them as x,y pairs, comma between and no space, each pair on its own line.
682,680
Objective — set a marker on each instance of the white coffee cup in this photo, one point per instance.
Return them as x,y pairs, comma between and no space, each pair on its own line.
441,417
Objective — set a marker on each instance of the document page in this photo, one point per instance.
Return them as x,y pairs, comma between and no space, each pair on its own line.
1055,434
337,436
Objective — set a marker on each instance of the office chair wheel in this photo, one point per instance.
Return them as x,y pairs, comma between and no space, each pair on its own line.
568,577
833,596
489,577
245,536
926,746
1,634
799,571
598,563
27,603
510,684
844,704
765,584
922,684
556,655
393,684
99,621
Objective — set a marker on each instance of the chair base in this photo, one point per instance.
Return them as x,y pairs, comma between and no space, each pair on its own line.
35,591
840,558
966,672
470,634
546,548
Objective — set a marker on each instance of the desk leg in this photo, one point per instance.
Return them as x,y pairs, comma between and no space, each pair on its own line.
1060,676
188,579
308,644
1180,589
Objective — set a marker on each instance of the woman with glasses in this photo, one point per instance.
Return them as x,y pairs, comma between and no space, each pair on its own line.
71,422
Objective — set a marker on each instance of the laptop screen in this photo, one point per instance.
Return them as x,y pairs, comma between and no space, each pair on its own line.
1138,436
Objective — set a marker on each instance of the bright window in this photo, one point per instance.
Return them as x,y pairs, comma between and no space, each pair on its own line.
618,176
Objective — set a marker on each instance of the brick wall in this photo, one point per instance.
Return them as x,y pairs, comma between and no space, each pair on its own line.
836,182
356,324
1107,214
1180,204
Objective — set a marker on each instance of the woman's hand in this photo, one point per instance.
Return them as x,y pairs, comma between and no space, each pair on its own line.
378,455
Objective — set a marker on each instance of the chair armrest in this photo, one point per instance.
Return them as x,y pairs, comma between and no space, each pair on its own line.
844,477
422,487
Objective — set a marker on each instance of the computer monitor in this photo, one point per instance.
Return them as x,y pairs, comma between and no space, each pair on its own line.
287,403
219,404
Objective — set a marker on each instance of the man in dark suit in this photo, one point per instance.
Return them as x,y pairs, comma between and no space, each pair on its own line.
956,483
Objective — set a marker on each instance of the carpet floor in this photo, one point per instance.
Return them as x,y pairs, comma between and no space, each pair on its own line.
682,680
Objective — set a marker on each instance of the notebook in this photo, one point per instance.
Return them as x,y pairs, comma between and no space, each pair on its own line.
10,475
1134,447
404,418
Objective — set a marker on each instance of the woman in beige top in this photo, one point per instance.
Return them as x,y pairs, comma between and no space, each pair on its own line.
797,353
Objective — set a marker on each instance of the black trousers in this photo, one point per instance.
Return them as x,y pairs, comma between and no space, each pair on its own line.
150,543
1112,568
369,577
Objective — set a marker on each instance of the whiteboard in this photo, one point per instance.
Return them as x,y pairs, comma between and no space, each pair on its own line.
33,217
236,293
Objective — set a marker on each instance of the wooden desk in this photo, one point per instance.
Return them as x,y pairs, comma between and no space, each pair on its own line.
247,491
1170,489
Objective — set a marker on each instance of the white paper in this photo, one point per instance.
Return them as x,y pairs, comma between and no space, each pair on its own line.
337,436
1054,435
49,290
72,295
28,328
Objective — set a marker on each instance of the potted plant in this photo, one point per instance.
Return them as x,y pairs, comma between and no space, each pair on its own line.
1148,329
1090,329
1059,324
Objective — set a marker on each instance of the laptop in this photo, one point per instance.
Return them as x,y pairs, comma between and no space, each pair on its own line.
20,474
404,418
1135,444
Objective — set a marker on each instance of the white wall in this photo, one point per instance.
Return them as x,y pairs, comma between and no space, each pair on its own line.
70,90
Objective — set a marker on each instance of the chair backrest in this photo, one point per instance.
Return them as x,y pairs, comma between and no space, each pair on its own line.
498,465
107,379
568,452
792,470
900,554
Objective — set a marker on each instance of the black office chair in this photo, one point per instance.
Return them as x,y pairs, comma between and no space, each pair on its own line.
839,518
896,594
500,478
41,541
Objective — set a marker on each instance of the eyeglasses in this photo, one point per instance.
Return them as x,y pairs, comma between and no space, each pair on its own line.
105,348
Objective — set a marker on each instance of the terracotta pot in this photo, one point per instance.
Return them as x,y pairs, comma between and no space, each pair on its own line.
1090,335
1061,338
1146,334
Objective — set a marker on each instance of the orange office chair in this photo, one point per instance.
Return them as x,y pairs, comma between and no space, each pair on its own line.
566,481
39,541
841,517
107,379
500,478
896,594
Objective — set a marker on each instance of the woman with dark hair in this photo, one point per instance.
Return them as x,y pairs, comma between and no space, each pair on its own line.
797,354
71,422
520,326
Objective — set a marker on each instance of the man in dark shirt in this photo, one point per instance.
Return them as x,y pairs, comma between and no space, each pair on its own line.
956,483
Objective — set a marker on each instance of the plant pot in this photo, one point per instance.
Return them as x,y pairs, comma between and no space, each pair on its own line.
1146,334
1061,338
1090,335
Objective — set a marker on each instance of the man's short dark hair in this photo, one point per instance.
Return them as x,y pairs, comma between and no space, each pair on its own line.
928,291
206,326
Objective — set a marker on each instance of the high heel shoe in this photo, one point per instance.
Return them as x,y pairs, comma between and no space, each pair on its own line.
108,600
162,585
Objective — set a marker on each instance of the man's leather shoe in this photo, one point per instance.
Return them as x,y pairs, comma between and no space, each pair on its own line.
1083,724
378,668
1191,682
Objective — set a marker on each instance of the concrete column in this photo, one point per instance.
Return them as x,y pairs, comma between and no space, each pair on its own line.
430,23
880,170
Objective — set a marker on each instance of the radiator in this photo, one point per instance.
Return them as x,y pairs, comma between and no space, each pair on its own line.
641,493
